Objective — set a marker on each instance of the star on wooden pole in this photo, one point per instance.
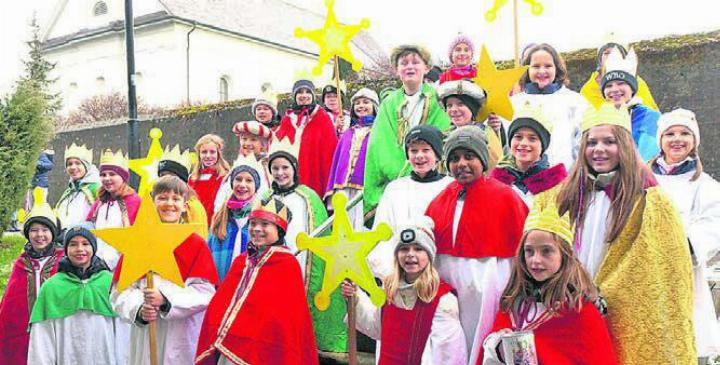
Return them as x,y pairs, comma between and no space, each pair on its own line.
147,245
147,167
333,39
345,254
536,8
497,84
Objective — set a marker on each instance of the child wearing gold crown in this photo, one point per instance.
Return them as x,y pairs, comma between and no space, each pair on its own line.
75,202
259,314
209,171
551,295
228,231
420,321
117,203
308,213
526,168
177,311
630,239
36,264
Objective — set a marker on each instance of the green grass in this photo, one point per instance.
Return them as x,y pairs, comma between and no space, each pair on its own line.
11,246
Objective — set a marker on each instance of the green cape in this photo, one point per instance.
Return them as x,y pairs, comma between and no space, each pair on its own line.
63,295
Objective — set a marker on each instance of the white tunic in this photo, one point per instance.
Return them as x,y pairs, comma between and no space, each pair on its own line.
699,205
177,331
479,283
592,245
108,215
403,200
299,223
564,109
82,338
446,343
73,210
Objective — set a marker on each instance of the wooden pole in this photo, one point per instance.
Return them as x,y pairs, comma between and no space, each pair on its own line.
152,326
515,27
337,84
352,335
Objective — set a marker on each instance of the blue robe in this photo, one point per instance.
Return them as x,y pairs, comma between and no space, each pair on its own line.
644,130
222,250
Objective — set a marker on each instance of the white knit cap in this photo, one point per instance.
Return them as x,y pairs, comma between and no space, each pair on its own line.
419,232
681,117
368,94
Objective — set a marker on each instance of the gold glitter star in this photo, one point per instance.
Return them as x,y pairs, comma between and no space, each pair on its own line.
147,167
497,84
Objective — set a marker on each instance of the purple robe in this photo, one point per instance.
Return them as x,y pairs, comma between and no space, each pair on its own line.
348,166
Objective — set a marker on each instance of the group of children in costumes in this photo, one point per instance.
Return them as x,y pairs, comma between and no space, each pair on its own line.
571,221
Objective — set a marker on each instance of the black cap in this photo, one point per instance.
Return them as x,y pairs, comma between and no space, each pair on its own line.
176,168
427,133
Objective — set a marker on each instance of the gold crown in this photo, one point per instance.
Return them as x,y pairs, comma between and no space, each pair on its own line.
616,62
535,112
606,114
114,159
175,155
271,210
284,145
549,220
41,208
79,152
250,161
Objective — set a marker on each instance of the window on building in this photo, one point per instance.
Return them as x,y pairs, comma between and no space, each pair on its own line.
224,87
100,8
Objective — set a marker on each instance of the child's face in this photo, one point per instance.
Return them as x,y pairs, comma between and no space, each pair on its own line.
250,143
111,181
75,168
461,55
422,157
331,102
80,252
40,236
209,154
262,232
677,143
411,69
542,255
618,92
363,107
282,172
602,152
304,97
465,166
263,113
170,206
459,113
542,68
525,146
413,260
243,186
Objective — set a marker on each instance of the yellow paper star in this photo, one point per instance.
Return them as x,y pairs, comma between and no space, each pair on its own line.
333,39
497,84
536,9
147,167
147,245
345,252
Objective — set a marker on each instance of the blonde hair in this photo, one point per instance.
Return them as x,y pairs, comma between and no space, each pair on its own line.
124,190
426,285
566,289
222,166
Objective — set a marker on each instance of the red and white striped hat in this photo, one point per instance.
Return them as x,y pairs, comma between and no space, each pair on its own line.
252,127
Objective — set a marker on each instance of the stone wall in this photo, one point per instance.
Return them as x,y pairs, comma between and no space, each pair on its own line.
681,71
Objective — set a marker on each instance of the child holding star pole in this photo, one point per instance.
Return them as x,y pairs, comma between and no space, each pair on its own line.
155,301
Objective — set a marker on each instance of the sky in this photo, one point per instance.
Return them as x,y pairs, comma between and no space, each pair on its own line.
566,24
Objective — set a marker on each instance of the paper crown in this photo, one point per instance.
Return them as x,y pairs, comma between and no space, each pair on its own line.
79,152
616,62
250,161
174,154
41,211
549,220
606,114
271,210
111,158
284,145
535,112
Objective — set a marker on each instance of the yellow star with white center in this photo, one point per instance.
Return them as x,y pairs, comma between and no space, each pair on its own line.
497,84
147,167
345,254
148,245
333,39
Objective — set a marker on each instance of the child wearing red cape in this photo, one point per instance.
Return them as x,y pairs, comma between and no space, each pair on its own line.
260,313
551,294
